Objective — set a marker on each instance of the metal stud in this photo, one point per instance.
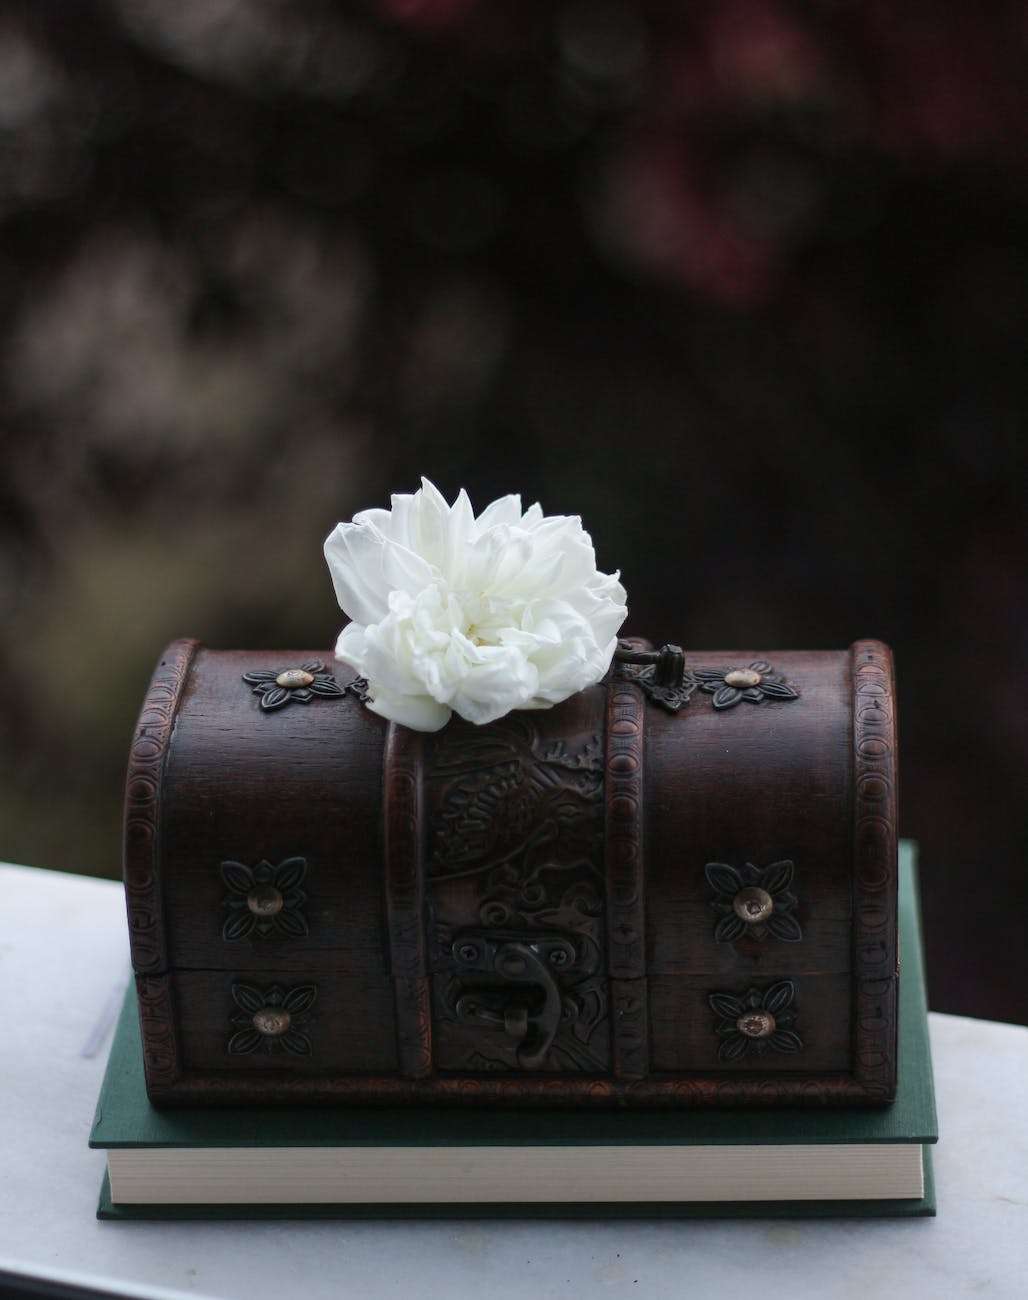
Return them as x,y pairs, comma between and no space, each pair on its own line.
753,905
265,900
271,1021
741,678
756,1024
292,678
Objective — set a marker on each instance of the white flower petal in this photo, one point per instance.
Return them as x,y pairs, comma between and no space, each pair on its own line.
418,712
459,533
504,510
351,647
602,611
380,521
401,527
430,520
502,679
354,556
404,570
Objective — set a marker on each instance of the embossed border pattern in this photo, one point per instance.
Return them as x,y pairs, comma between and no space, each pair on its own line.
141,854
657,1091
626,881
157,1030
875,872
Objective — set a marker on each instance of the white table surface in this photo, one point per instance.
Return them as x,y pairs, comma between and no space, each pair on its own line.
63,967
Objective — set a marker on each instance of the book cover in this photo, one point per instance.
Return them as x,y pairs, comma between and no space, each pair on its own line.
126,1120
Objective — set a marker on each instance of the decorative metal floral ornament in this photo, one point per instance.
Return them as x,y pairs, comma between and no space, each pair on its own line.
359,688
756,1022
271,1020
264,900
731,685
753,901
277,687
667,681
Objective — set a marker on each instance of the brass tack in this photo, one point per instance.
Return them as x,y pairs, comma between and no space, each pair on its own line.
753,905
265,900
271,1021
741,678
294,677
756,1024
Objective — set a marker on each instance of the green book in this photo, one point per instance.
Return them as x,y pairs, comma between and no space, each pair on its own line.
438,1162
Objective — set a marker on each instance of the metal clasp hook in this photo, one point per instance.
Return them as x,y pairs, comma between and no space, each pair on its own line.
527,1004
661,673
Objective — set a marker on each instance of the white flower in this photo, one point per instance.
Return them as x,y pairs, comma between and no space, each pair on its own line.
473,616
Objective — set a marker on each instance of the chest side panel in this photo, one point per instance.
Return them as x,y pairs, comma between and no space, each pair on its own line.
271,830
749,869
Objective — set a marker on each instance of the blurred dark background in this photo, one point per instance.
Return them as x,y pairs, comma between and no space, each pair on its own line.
742,283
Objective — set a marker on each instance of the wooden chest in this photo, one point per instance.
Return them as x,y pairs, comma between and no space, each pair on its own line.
613,902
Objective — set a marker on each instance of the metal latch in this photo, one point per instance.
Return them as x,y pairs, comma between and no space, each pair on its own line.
661,673
508,984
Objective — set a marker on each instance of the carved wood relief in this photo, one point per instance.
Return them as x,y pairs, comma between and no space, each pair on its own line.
516,852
